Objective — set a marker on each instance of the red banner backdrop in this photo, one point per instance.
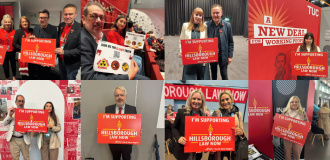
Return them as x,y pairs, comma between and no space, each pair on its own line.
205,134
31,120
313,64
181,92
275,29
310,100
119,128
195,51
290,129
261,116
3,49
38,51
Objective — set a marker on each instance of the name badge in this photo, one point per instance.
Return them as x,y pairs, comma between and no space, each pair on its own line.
62,46
47,134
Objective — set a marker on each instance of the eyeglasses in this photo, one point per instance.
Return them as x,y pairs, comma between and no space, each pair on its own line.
19,101
95,17
43,18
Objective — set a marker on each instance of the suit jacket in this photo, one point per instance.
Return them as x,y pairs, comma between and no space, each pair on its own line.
186,33
37,31
128,110
178,131
88,49
55,141
19,34
226,38
11,122
149,40
72,46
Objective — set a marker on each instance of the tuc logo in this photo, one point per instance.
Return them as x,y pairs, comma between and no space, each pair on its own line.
313,11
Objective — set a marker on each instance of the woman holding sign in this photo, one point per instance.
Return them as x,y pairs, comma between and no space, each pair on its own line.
294,110
194,29
23,32
227,109
195,107
308,46
117,35
49,142
7,33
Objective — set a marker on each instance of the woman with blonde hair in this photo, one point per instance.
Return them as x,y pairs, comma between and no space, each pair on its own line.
324,122
195,107
194,29
294,110
7,33
227,109
169,110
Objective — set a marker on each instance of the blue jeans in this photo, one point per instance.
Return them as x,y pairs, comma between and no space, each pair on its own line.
64,72
138,61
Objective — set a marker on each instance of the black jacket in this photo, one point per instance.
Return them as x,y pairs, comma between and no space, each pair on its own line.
19,34
50,34
72,46
178,131
88,49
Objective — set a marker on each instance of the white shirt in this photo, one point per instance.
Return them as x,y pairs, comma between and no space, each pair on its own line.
294,113
308,47
122,110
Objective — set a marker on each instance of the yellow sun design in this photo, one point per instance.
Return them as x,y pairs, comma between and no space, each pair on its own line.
256,15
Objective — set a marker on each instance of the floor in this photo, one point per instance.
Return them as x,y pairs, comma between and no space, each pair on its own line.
317,149
237,70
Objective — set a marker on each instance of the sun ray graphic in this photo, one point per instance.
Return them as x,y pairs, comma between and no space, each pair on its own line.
257,12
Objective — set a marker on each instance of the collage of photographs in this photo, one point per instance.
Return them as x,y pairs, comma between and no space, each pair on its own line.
86,79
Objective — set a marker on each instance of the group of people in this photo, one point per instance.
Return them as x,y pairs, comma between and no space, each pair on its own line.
195,106
67,37
215,28
19,142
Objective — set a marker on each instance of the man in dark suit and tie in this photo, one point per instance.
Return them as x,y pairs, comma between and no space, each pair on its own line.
120,150
91,34
68,42
48,31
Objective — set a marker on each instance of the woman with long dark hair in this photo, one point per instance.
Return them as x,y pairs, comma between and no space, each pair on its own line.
49,142
117,35
308,46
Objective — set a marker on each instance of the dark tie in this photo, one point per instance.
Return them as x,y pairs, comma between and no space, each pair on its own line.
120,110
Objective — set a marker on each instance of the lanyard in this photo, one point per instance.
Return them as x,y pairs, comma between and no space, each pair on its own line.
64,39
7,37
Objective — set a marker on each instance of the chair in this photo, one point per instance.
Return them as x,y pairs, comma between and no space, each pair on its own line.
317,131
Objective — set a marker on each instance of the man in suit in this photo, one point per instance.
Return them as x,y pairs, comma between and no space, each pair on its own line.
44,30
120,150
69,44
18,141
93,20
218,28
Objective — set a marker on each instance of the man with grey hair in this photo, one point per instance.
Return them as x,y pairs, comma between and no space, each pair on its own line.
91,34
120,94
18,141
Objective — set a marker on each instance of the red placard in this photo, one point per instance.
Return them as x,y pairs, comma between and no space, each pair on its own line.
204,134
3,49
173,116
312,64
275,29
38,51
31,120
290,129
119,128
181,92
195,51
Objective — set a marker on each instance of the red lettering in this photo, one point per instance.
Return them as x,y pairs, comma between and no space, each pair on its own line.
290,32
271,31
264,30
280,31
268,20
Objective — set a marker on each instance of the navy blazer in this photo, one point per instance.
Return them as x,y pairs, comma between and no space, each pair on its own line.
72,46
19,34
226,37
88,50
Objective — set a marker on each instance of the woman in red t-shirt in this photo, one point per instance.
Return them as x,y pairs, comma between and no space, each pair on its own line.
6,38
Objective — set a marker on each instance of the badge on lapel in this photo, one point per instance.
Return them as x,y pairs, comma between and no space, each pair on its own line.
223,24
72,30
61,28
220,31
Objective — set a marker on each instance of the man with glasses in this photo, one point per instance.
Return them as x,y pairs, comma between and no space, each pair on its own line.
69,44
218,28
44,30
91,34
18,141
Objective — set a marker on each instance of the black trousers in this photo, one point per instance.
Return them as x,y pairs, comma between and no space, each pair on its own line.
223,69
121,150
42,73
10,56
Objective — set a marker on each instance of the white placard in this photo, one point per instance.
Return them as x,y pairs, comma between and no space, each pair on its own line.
112,58
134,39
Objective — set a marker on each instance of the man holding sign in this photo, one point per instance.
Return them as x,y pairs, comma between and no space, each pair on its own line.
18,141
120,150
